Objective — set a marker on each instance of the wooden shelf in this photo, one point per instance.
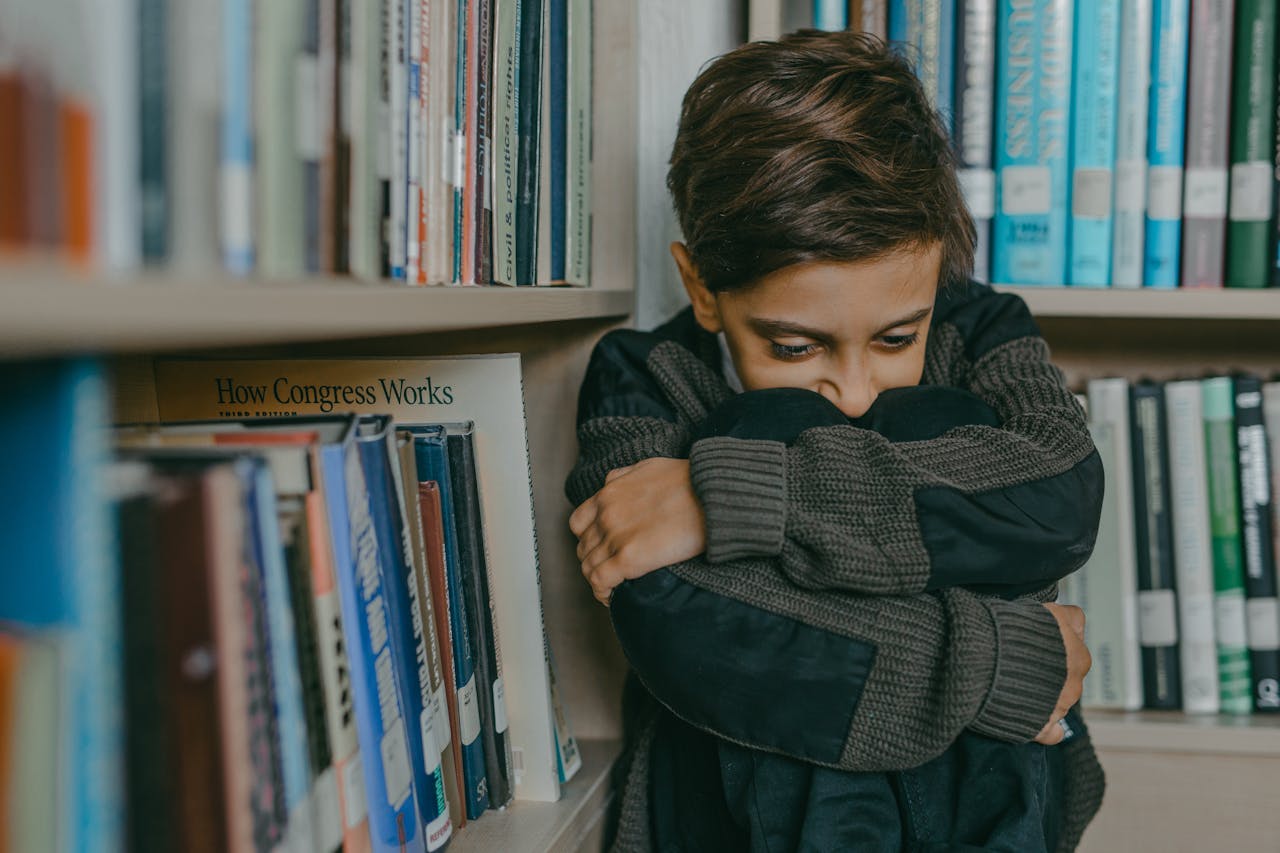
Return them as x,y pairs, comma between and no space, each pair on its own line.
1254,735
45,313
559,827
1150,304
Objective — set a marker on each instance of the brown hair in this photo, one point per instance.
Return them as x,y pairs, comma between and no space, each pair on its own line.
821,146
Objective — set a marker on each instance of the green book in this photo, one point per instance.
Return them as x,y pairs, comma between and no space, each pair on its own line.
1253,125
1234,673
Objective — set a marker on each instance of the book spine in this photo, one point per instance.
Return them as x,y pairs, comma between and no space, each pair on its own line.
283,69
974,118
1093,143
558,77
1204,198
1033,105
388,774
528,168
483,186
1274,259
1253,117
415,219
459,146
1262,608
153,96
307,77
1271,416
194,63
398,150
332,140
384,131
1165,143
441,41
1193,547
115,216
1235,681
1157,606
235,180
830,14
1131,144
506,138
469,76
1112,571
577,245
902,15
359,117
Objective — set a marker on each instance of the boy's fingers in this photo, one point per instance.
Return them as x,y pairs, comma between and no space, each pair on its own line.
583,516
589,540
616,473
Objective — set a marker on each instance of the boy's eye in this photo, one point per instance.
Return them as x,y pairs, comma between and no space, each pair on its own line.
899,341
793,352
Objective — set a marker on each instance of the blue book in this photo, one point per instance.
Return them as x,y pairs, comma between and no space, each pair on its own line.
830,14
1093,140
927,28
376,445
558,75
384,747
1166,139
431,450
1033,117
60,578
236,174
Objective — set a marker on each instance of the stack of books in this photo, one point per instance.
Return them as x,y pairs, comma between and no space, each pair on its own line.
421,141
271,627
1181,590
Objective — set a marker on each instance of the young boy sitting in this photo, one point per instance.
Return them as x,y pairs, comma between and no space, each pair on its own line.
829,502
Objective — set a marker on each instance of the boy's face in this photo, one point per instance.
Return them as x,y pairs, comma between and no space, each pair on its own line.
845,330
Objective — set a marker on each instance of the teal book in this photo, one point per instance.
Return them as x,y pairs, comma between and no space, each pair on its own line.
1166,143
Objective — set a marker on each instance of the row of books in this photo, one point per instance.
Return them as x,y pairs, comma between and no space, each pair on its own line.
423,141
1181,591
1120,143
271,628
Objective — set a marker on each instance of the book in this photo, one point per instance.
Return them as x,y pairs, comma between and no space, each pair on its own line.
974,120
529,128
111,193
830,14
236,174
482,186
486,390
1193,547
927,29
416,218
1128,240
40,700
1204,199
477,585
442,44
578,118
507,65
363,113
1093,140
327,249
193,145
460,147
11,647
1109,580
1253,131
870,17
1262,608
1153,533
1033,106
397,174
556,189
1166,143
1234,673
1271,417
284,53
153,99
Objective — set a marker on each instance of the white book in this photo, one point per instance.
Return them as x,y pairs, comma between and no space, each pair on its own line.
441,62
279,188
1108,582
1271,416
195,62
1130,198
398,152
363,120
1192,547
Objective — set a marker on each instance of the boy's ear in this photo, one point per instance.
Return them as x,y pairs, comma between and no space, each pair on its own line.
705,308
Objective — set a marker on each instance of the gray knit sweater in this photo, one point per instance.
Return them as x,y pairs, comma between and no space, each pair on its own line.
858,539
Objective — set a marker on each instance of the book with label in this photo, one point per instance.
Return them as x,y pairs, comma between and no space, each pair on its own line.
1109,579
1235,680
830,14
1253,129
1131,144
507,63
486,390
1262,608
974,118
1204,197
153,105
1093,140
280,171
235,180
1271,416
1157,606
578,121
1166,143
529,128
1193,546
1033,107
927,28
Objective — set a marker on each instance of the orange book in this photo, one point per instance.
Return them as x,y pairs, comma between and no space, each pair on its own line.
13,164
76,134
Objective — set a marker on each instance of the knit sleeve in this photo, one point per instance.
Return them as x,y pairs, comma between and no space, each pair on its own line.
993,485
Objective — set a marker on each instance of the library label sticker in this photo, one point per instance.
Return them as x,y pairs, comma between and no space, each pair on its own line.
1164,193
468,712
430,746
354,805
1026,190
499,706
396,769
1251,191
1205,193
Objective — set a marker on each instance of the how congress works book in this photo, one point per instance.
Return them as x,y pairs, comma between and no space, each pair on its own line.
485,390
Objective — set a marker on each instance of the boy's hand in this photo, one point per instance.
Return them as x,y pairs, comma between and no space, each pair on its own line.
646,517
1071,624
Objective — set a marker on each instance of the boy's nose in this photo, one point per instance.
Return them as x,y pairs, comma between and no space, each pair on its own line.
852,395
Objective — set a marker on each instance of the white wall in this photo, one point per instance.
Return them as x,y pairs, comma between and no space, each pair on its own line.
676,38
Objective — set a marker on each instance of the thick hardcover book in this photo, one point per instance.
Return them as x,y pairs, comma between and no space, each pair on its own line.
1204,197
1110,577
577,238
1253,129
235,180
974,119
927,29
1262,607
1131,144
153,96
477,584
507,63
430,447
529,125
1033,106
1193,547
1153,530
286,37
830,14
1093,140
1235,680
1165,143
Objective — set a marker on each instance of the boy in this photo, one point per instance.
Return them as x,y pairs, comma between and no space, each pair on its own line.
826,503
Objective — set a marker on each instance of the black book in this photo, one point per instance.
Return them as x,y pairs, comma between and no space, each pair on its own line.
479,607
483,69
1153,538
528,128
1261,607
